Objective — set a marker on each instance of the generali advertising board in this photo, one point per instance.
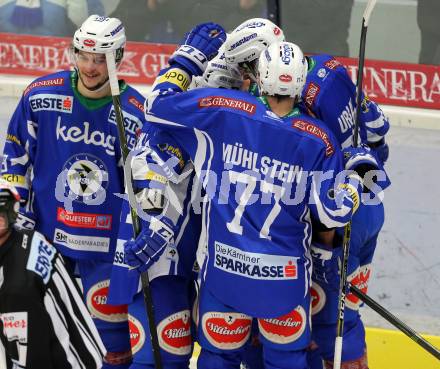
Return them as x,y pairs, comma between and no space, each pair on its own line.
392,83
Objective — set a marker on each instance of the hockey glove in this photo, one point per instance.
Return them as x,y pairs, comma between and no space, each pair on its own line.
199,46
147,248
326,265
360,159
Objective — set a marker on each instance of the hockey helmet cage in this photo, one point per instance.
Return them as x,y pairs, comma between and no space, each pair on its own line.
246,42
99,35
9,201
282,70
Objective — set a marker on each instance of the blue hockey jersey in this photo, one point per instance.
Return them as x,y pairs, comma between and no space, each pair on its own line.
265,177
330,95
62,152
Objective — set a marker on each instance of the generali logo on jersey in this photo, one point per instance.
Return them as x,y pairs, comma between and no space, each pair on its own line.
253,265
315,131
97,304
175,333
46,83
84,220
225,102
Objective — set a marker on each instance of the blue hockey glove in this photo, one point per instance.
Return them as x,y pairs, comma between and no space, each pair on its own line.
326,261
147,248
360,159
199,46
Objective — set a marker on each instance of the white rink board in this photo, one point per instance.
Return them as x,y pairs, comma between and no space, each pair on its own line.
406,274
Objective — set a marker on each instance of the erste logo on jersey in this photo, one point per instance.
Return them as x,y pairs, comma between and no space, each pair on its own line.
253,265
51,102
226,102
46,83
131,124
86,178
226,331
40,257
97,304
285,329
84,220
317,132
137,334
175,333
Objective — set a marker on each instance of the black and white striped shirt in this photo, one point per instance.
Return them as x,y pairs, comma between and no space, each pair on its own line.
43,320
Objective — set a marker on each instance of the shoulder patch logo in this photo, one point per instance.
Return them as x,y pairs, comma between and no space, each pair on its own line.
315,131
132,100
311,94
40,257
225,102
46,83
332,63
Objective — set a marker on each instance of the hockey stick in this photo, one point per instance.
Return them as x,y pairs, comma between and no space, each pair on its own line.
148,300
274,11
417,338
347,229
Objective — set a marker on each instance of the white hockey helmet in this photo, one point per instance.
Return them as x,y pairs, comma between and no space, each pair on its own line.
246,42
219,74
282,70
99,35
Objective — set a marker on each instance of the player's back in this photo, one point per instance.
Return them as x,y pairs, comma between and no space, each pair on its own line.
255,168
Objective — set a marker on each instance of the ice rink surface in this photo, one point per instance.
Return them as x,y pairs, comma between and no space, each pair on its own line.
406,268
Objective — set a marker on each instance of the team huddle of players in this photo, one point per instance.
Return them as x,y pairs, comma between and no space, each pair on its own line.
244,177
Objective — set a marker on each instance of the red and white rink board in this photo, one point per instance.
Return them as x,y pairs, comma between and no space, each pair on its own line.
390,83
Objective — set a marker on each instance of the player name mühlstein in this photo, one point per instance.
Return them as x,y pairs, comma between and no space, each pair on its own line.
236,154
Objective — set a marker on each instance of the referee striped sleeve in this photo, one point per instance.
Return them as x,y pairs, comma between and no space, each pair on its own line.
74,328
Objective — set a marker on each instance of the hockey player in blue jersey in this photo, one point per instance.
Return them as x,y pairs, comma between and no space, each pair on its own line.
172,276
62,153
257,248
330,96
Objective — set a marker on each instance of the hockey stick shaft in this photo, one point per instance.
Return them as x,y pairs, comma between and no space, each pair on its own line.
337,358
360,76
148,300
274,11
395,321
